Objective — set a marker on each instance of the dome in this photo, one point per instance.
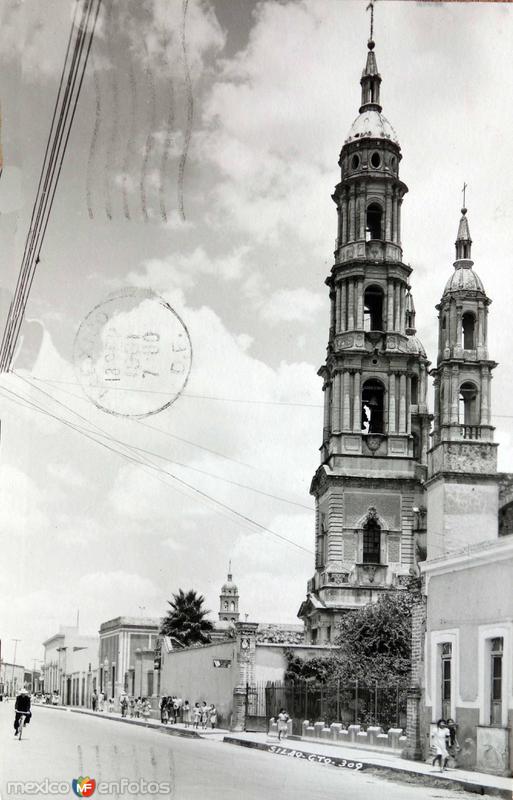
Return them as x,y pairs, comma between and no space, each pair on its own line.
229,587
415,346
464,279
371,124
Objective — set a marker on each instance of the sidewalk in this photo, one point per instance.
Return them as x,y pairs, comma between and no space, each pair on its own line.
477,782
175,730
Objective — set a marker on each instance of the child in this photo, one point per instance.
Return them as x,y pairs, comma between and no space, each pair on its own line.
283,727
196,716
186,714
204,715
439,739
213,716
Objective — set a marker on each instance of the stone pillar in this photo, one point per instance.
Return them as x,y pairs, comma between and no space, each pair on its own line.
346,417
401,308
394,218
391,403
357,406
359,304
402,403
390,306
480,326
343,207
244,671
332,313
454,392
458,325
397,306
408,404
388,215
327,412
414,731
350,305
337,312
436,411
399,204
335,406
485,397
343,306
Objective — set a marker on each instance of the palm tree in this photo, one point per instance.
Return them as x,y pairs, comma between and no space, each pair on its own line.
186,619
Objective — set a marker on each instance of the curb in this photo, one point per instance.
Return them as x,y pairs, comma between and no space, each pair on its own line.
184,733
336,761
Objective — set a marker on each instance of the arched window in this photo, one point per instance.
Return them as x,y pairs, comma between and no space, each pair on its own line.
371,542
226,605
373,404
373,309
232,606
374,219
444,322
468,406
468,324
414,390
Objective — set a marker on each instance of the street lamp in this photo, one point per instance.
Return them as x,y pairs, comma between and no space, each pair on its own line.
14,663
138,653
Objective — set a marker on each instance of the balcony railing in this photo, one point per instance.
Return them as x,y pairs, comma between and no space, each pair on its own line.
470,431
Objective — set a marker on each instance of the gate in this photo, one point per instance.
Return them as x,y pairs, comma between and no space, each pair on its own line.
256,713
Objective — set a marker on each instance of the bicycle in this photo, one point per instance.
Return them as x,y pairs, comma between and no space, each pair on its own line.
21,722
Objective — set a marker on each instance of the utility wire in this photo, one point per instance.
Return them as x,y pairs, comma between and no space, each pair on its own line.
64,113
110,445
165,458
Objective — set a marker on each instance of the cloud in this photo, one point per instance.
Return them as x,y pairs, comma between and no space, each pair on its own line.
292,305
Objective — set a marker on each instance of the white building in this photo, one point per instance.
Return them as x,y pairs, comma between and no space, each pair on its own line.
70,666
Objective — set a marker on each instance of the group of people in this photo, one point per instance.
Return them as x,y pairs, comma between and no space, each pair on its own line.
201,715
134,707
444,744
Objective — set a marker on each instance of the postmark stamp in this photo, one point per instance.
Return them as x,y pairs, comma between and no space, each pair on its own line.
133,354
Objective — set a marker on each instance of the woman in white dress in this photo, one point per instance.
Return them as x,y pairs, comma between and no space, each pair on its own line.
439,739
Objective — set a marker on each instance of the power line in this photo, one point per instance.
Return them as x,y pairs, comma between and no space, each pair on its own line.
172,461
57,143
89,435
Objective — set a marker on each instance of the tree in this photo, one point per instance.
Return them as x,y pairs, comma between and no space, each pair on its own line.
186,619
374,642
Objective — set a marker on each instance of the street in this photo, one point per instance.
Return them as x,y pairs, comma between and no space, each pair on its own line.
60,746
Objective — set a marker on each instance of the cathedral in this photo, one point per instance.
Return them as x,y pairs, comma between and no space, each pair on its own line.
394,477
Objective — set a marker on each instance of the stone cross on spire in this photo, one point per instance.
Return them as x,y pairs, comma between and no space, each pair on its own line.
371,6
463,190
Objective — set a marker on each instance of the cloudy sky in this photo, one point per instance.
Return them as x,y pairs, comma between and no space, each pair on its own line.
110,515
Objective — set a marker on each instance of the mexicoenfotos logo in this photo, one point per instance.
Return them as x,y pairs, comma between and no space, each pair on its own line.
83,787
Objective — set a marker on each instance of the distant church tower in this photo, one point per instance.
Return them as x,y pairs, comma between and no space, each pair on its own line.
229,600
462,490
376,421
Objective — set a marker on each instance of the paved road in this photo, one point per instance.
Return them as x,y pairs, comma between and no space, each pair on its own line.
60,746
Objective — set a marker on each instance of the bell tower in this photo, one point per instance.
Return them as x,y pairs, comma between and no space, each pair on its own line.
369,487
229,599
463,484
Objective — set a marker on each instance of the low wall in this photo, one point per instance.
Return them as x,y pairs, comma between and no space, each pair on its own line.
202,673
354,736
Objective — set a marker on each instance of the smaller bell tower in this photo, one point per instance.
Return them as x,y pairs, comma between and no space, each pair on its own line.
229,599
462,487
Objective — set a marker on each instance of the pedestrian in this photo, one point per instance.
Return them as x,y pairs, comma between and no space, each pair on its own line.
123,703
111,705
283,727
146,708
101,701
131,706
164,716
196,716
453,745
439,739
177,708
170,707
138,707
213,716
94,700
204,715
186,715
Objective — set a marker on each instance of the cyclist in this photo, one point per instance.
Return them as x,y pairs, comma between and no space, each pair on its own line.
22,706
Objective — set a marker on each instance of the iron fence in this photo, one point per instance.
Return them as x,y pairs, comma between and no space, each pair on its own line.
334,701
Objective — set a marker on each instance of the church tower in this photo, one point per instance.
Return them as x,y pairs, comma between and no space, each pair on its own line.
229,600
462,490
369,487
